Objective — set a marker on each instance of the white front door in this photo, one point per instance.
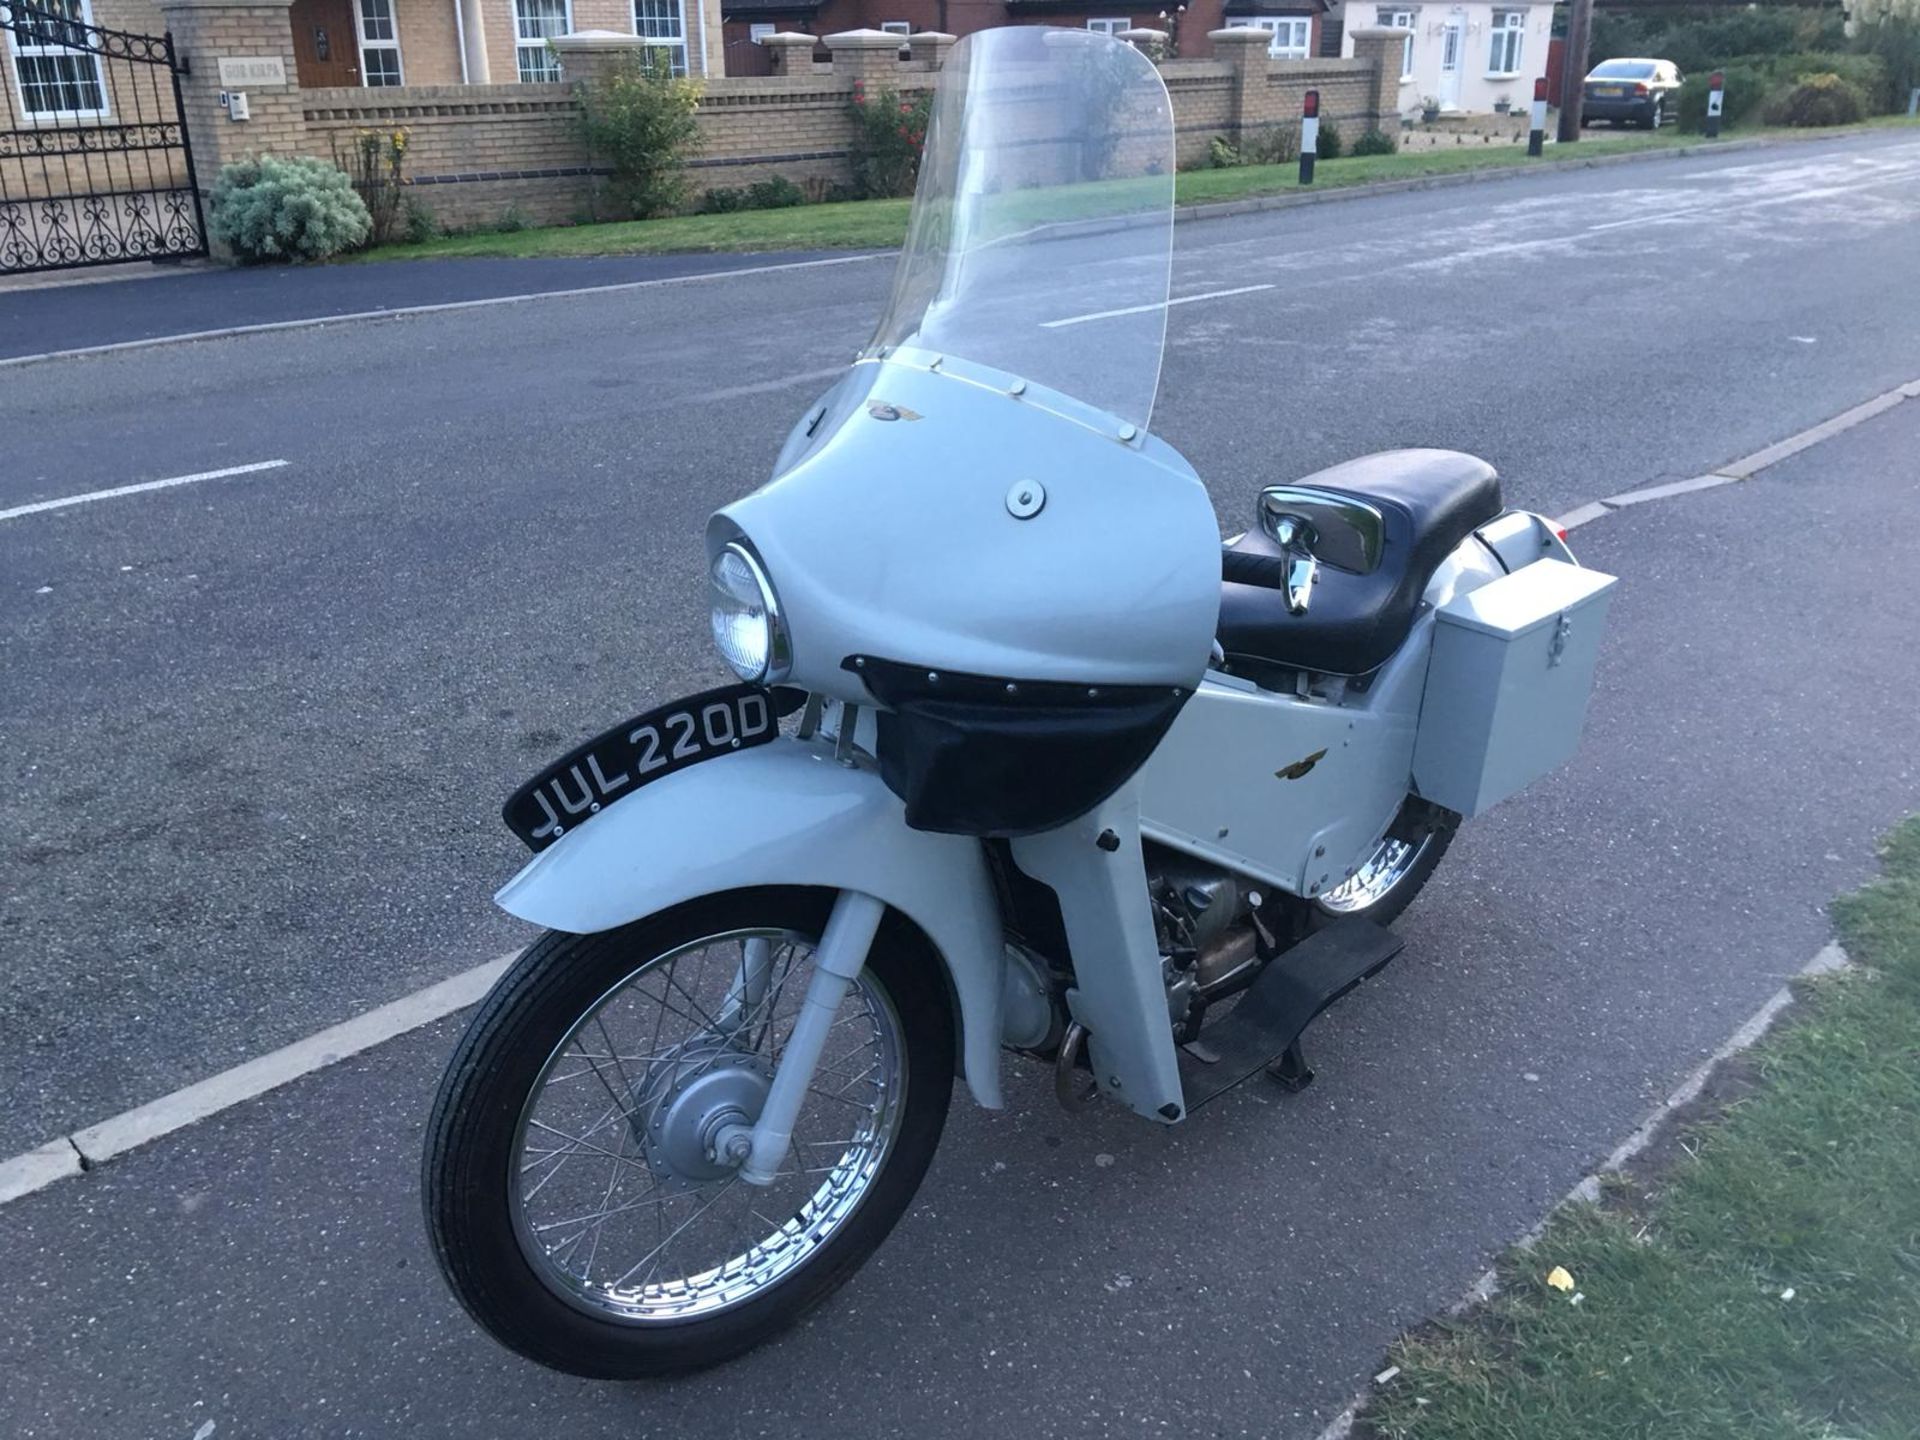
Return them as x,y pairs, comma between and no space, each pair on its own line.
1452,45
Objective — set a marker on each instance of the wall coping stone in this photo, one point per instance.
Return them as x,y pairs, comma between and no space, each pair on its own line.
864,40
585,40
165,5
1379,32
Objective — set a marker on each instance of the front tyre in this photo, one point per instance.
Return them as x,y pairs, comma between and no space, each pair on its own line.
574,1194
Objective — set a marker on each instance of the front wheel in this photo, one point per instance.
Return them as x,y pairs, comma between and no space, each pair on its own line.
1385,883
576,1195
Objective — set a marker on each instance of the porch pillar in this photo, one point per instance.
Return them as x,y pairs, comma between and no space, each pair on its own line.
472,18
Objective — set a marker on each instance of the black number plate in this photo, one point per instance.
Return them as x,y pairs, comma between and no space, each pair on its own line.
612,766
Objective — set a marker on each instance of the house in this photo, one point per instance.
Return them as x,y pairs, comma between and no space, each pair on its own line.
1467,55
1294,24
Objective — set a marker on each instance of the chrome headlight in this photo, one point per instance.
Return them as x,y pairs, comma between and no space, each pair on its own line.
747,626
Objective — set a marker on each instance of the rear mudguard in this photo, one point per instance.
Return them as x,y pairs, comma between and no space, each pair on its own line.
785,813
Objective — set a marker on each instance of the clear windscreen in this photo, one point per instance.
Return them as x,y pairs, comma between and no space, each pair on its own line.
1042,227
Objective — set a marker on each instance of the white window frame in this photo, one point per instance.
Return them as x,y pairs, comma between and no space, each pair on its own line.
1404,19
674,42
1110,25
392,42
83,16
1290,25
759,30
1507,30
897,27
545,59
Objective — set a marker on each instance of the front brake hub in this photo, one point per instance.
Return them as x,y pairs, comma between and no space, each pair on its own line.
686,1101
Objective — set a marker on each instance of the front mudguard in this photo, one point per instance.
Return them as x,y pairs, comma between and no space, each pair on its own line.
784,813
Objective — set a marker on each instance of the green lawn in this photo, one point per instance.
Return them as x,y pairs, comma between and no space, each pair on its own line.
1764,1287
882,224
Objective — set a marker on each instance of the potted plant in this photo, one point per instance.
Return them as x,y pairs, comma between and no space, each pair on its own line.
1503,104
1429,108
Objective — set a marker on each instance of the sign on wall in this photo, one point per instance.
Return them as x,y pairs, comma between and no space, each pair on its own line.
238,71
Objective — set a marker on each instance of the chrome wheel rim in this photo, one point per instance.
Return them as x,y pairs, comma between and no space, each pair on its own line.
1391,862
619,1203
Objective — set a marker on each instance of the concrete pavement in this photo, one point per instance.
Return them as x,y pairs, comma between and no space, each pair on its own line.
252,781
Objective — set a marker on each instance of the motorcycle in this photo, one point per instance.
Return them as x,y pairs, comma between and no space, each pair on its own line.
1021,758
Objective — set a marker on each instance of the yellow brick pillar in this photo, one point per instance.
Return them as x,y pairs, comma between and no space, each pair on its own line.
1384,46
588,56
1245,51
931,48
870,55
252,42
790,52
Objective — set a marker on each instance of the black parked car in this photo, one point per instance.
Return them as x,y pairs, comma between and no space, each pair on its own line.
1643,91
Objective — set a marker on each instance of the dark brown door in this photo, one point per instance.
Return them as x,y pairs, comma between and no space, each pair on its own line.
325,49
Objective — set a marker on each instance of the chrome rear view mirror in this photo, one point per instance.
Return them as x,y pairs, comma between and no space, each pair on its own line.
1337,530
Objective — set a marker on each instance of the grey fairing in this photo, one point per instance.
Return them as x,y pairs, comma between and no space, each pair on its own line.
781,814
892,537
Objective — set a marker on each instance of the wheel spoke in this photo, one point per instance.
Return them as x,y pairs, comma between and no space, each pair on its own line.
640,1095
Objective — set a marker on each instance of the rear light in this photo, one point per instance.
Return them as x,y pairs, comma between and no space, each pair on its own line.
1640,90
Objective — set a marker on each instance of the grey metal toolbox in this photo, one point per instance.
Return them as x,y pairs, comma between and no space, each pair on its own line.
1507,686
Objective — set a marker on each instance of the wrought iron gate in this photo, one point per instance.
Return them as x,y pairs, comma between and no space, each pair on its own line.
94,161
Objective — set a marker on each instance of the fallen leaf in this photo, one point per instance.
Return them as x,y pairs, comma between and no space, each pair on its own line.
1559,1279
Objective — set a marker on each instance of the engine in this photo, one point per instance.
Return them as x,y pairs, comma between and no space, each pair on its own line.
1213,935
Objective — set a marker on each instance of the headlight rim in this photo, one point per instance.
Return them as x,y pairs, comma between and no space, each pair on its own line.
779,659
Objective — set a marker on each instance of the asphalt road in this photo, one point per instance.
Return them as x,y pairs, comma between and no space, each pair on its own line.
255,733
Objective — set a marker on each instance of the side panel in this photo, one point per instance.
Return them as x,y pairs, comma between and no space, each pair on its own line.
782,814
1120,995
1293,791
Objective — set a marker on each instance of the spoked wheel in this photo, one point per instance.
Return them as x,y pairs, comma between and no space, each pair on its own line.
580,1193
1386,882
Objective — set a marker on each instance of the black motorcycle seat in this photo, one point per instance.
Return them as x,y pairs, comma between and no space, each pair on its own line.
1430,500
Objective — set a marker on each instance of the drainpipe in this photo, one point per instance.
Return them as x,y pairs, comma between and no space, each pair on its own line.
460,39
700,14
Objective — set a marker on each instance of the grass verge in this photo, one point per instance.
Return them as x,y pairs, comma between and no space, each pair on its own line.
1763,1286
882,224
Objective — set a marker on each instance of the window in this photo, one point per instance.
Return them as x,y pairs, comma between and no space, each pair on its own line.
896,27
534,23
661,21
759,30
1622,70
379,43
1290,36
58,75
1400,20
1509,30
1110,27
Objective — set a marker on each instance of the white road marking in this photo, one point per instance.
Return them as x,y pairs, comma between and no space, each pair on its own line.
24,1174
134,1128
69,1155
91,496
1669,490
1574,519
1826,429
398,312
1157,305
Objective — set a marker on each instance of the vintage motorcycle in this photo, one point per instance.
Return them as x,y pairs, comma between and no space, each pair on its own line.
1022,758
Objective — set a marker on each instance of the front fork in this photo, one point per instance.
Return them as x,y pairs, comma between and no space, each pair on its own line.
837,961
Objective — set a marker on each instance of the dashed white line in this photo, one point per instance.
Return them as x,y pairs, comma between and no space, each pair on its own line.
92,496
1156,305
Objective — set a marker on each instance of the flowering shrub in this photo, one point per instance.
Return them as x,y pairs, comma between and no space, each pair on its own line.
639,123
269,208
375,163
889,132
